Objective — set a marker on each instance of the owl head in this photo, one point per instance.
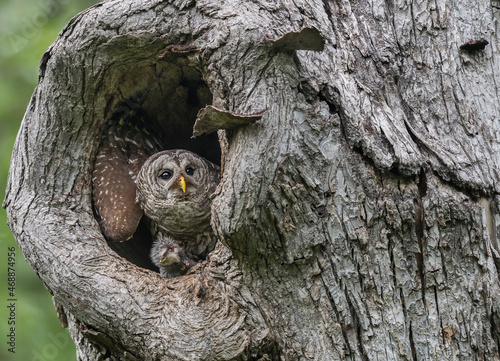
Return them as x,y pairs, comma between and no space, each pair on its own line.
174,188
170,258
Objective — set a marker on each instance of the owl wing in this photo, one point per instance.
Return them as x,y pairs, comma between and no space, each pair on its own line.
129,138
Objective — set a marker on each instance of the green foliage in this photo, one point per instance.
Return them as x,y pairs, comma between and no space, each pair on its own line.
27,28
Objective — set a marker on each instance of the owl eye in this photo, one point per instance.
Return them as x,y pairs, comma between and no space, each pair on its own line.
166,174
189,170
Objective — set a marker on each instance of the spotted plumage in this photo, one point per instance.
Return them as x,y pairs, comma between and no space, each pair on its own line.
128,139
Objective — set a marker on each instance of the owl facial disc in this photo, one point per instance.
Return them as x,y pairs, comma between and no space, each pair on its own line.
173,189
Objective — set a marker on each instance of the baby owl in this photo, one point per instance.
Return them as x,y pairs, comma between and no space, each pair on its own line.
170,258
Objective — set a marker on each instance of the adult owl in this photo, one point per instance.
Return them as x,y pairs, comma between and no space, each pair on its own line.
174,189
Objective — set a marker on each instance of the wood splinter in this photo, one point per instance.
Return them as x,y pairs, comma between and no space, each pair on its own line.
210,119
306,39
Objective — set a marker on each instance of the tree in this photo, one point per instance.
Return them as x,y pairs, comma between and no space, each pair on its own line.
358,218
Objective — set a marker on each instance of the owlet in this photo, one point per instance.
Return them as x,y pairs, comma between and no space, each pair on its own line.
170,258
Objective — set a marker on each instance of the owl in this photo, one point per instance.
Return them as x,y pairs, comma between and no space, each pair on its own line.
170,258
173,190
128,139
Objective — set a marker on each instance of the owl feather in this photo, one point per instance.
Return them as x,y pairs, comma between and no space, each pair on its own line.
128,139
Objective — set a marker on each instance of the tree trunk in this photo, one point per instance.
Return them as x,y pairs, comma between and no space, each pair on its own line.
358,218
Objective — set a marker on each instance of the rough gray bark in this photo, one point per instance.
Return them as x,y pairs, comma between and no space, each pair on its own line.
359,218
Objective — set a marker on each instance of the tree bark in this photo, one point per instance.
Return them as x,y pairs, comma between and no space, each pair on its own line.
358,218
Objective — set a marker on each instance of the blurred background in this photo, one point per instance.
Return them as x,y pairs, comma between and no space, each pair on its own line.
27,28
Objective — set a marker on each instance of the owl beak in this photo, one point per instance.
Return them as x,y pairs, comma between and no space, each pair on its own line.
182,183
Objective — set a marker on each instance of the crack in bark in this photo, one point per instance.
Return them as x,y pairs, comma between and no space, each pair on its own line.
412,345
419,230
357,326
495,330
390,251
436,300
333,304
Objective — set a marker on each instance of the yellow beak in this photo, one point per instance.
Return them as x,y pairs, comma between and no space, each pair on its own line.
182,183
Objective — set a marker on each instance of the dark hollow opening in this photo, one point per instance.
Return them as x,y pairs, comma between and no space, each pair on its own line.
163,98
